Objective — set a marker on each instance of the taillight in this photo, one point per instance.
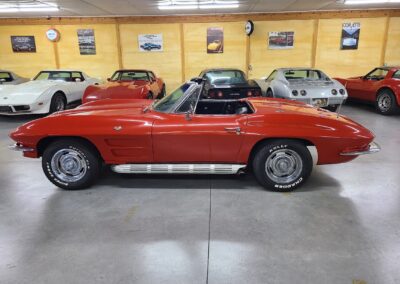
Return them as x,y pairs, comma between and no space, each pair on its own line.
220,94
211,94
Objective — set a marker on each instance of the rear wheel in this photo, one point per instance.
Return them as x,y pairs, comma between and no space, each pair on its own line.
386,102
71,164
58,103
269,93
282,165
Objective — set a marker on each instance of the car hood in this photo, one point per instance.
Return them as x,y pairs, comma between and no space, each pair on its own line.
25,93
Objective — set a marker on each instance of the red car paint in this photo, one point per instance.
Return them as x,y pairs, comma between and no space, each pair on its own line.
365,89
126,88
147,136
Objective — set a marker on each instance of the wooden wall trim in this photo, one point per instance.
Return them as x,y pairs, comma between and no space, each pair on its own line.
314,43
183,63
342,14
119,47
385,39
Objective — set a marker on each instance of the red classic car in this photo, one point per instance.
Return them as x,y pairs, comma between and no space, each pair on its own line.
186,133
127,84
381,87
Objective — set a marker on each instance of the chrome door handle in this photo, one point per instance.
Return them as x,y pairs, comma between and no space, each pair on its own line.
233,129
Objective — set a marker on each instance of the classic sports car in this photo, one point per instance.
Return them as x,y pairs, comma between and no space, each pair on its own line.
306,85
10,78
214,46
222,83
184,133
127,84
149,46
380,87
48,92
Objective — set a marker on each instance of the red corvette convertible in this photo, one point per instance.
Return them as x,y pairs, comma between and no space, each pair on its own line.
186,133
380,87
127,84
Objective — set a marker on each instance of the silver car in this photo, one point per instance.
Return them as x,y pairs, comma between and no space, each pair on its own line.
307,85
10,78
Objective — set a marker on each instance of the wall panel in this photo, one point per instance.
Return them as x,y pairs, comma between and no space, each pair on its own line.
393,43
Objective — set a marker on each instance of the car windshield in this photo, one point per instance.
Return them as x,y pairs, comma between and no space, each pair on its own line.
54,75
225,77
167,104
5,77
129,76
304,74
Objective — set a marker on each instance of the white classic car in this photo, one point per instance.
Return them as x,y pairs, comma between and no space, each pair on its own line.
10,78
307,85
48,92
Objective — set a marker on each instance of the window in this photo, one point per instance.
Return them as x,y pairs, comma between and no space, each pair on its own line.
190,103
5,77
77,75
396,74
54,75
168,103
225,77
152,76
271,76
302,74
377,74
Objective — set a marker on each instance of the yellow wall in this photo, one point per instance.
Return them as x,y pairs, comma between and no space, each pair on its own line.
166,64
393,43
345,63
26,64
195,42
103,63
192,48
264,60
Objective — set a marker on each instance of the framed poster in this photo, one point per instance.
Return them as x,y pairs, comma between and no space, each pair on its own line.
86,41
280,40
23,43
215,40
150,42
350,36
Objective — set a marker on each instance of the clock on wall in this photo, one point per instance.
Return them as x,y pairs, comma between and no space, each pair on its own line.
249,27
53,35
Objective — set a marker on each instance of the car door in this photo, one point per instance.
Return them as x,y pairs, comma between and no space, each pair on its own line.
78,86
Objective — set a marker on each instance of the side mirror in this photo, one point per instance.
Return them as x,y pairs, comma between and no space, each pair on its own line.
77,80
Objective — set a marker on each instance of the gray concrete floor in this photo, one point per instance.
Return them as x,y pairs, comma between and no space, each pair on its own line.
342,227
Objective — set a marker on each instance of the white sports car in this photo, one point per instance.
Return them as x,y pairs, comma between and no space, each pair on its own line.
10,78
48,92
307,85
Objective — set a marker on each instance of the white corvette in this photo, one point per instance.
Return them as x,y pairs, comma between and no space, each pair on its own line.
48,92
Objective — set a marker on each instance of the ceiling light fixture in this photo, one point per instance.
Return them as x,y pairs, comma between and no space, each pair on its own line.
199,4
32,6
366,2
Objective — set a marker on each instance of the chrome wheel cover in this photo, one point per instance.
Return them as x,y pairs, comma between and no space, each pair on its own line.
60,105
384,102
68,165
284,166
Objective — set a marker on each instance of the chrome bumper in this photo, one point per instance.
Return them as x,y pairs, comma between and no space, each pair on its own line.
373,148
19,147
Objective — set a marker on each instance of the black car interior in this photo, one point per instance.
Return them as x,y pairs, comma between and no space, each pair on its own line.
223,107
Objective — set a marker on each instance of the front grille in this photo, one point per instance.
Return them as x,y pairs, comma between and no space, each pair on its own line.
21,108
5,109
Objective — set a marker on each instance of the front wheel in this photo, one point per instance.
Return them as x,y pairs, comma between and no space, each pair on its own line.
58,103
386,102
282,165
71,164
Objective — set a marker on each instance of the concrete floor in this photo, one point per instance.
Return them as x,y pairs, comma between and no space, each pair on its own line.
342,227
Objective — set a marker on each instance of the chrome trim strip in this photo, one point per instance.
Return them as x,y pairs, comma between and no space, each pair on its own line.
19,147
373,148
178,168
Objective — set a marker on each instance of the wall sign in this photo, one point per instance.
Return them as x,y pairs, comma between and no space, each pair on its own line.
23,43
150,42
53,35
215,40
350,36
280,40
86,41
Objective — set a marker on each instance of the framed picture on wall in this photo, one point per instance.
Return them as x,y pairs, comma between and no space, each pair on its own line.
86,41
280,40
215,40
23,43
350,36
150,42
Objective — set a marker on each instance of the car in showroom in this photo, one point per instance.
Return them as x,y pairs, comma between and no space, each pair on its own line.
307,85
127,84
227,83
150,46
214,46
10,78
185,133
48,92
380,87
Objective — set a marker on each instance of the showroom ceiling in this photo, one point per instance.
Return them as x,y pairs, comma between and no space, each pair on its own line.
37,8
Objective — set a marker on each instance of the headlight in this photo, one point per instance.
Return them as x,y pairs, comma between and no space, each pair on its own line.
295,92
334,92
303,92
342,92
